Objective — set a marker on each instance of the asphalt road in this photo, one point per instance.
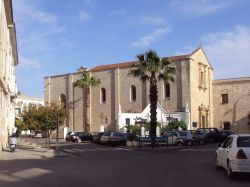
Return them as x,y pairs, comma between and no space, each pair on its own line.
92,165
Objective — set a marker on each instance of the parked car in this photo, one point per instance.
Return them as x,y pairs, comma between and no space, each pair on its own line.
174,138
188,137
200,136
224,134
147,139
82,136
37,135
97,137
234,154
212,134
113,138
69,136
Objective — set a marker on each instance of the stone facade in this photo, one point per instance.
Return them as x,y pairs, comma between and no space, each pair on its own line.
8,61
23,100
232,104
192,87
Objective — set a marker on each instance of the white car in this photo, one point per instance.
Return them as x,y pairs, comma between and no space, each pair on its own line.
234,154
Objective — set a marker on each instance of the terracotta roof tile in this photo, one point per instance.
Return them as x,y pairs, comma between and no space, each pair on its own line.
128,64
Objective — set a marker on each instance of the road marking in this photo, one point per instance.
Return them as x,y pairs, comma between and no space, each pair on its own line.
73,150
182,150
193,149
211,149
125,149
68,150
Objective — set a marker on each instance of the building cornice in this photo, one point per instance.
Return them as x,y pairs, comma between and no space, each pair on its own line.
232,80
62,75
12,28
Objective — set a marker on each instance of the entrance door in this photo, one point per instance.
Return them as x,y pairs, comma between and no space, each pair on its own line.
203,121
226,126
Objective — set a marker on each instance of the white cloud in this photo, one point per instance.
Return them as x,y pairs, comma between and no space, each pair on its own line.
23,10
35,27
201,7
84,16
117,12
229,52
28,63
151,37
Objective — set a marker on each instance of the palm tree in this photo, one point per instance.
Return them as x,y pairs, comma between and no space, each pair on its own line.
152,68
85,83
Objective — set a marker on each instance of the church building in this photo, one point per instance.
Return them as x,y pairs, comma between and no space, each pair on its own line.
121,98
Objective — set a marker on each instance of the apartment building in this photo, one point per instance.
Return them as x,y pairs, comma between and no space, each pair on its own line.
8,62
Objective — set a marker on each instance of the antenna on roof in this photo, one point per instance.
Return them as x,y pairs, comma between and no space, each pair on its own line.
82,69
200,45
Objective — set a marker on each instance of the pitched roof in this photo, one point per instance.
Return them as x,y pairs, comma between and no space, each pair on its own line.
128,64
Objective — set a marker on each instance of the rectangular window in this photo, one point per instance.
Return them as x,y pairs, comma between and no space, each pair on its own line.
224,98
248,119
103,95
127,121
167,90
133,93
202,79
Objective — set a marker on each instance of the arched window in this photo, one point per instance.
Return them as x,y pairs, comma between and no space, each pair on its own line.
167,90
103,95
63,100
132,93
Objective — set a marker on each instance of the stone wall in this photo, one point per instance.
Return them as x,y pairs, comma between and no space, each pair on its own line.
201,93
236,111
8,61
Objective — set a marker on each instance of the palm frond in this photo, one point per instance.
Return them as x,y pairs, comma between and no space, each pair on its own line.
86,81
140,57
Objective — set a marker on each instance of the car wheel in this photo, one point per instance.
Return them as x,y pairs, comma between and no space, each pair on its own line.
189,142
202,142
79,140
230,174
179,143
217,166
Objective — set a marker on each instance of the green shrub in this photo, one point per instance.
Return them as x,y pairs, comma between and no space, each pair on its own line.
175,126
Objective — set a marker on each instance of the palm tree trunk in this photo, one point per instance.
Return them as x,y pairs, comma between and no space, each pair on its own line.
87,109
153,97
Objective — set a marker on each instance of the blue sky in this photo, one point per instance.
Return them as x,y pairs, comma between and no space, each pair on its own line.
58,36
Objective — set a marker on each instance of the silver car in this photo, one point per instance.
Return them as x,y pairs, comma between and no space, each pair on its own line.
113,138
174,138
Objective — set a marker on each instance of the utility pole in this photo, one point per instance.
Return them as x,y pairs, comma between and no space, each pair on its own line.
57,133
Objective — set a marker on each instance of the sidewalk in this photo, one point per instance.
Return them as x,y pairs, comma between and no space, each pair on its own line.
26,150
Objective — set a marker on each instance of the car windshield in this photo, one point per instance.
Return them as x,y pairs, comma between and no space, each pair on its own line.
117,134
183,133
243,141
106,134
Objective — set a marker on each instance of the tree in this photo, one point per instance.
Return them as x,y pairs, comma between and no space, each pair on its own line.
152,68
32,117
41,118
85,83
175,126
20,124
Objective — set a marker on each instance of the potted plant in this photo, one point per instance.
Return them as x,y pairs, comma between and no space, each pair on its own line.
130,139
135,141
